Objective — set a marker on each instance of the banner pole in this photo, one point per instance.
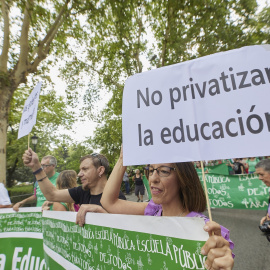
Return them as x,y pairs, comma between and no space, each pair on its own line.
206,193
28,140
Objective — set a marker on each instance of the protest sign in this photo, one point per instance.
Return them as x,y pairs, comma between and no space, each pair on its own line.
213,107
29,115
236,191
110,241
21,244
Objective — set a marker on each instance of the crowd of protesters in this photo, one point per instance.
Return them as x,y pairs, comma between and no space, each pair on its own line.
235,166
63,194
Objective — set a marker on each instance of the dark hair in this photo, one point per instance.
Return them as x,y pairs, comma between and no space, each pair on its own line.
191,192
264,164
98,160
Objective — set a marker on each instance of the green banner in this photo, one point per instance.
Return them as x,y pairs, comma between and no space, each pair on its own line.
29,241
218,169
132,246
236,191
21,244
146,184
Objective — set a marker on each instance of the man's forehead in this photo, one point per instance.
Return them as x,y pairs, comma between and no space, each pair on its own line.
261,171
86,163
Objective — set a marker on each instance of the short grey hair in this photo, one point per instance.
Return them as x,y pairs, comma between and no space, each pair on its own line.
52,159
264,164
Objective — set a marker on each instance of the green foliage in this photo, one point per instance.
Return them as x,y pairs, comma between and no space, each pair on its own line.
263,26
68,157
52,28
103,43
108,139
134,36
52,113
19,193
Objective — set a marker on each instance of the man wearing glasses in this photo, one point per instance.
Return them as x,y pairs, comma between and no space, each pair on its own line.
48,165
93,174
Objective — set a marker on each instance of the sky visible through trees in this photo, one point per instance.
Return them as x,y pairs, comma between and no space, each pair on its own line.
84,126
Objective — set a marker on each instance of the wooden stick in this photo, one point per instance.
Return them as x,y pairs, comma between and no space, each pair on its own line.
206,193
28,140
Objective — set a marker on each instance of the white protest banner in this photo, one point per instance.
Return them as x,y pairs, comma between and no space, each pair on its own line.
52,240
109,241
29,115
214,107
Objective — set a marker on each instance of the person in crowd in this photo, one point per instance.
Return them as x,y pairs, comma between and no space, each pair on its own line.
176,191
209,163
244,162
93,174
66,179
146,171
229,163
139,186
251,162
198,167
262,168
126,181
4,197
237,166
48,167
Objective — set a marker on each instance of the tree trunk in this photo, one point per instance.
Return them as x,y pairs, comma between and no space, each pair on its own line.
5,98
10,172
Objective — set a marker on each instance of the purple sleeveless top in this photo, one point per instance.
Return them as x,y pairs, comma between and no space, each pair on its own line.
153,209
76,207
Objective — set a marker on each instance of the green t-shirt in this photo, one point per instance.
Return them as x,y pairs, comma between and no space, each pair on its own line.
40,197
251,165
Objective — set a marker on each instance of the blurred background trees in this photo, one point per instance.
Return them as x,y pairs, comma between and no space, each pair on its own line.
96,46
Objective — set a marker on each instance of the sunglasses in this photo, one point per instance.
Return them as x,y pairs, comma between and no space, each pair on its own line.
97,156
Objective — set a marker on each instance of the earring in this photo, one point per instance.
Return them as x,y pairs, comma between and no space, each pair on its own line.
99,175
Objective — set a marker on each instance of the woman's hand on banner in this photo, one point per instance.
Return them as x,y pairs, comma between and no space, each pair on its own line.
217,249
16,206
46,205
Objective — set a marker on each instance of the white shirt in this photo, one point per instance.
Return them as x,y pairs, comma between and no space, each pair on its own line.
4,198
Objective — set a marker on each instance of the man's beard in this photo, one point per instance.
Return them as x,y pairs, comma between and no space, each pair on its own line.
85,188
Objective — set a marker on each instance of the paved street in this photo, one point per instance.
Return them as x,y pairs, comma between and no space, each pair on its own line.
252,249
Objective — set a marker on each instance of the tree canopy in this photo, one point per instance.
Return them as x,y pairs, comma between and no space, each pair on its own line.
136,36
31,32
101,44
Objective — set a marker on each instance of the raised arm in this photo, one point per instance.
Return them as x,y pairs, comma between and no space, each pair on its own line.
30,159
110,201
